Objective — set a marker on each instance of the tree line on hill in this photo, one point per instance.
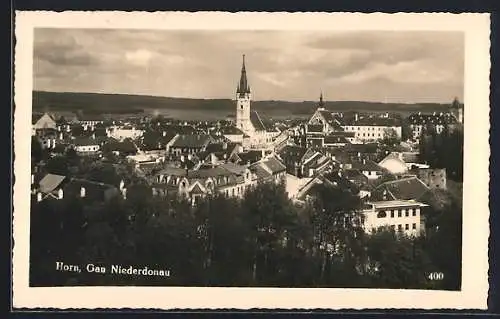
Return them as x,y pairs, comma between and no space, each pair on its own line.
263,239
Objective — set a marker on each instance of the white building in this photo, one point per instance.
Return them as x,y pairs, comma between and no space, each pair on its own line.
121,133
400,215
372,128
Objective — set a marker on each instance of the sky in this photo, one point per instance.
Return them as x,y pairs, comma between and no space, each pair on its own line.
383,66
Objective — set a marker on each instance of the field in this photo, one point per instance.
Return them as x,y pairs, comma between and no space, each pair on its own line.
204,109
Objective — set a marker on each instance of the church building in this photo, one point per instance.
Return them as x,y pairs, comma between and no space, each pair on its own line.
257,133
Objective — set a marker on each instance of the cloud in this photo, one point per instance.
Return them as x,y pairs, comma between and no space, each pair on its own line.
139,57
280,64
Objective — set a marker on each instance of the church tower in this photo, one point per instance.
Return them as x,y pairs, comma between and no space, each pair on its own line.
243,98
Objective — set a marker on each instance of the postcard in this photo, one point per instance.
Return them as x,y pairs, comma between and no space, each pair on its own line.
215,160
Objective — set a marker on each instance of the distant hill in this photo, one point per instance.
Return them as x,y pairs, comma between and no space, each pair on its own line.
130,104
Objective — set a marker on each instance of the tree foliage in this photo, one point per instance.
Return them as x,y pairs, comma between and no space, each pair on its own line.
262,239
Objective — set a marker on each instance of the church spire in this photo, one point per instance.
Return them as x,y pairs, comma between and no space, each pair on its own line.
321,102
243,86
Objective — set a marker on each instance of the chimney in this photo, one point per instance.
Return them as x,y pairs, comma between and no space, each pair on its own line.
93,136
122,185
364,161
164,133
60,194
124,193
359,154
82,191
356,116
39,197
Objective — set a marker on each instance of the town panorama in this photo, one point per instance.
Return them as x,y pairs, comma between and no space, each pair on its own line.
334,199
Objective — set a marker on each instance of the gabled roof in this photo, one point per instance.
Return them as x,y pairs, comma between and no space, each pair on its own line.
50,182
260,172
257,121
230,130
234,168
250,156
330,119
274,165
334,139
406,188
292,152
172,171
394,157
314,128
197,189
192,141
366,165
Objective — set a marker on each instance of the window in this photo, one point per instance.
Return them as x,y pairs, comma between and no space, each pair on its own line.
399,213
414,213
407,214
242,106
414,226
381,214
392,214
400,227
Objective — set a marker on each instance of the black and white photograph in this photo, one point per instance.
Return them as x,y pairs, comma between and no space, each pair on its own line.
243,157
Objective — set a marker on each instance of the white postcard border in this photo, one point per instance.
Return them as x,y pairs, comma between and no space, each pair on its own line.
476,167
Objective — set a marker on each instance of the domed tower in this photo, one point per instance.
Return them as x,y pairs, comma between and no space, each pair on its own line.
243,98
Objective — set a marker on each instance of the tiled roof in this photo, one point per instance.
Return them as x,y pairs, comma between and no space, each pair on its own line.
172,171
334,139
234,168
230,130
257,121
366,165
292,153
405,189
330,119
367,148
260,172
250,156
209,172
50,182
355,175
274,165
192,141
314,128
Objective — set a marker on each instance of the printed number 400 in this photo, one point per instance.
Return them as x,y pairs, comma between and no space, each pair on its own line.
436,276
